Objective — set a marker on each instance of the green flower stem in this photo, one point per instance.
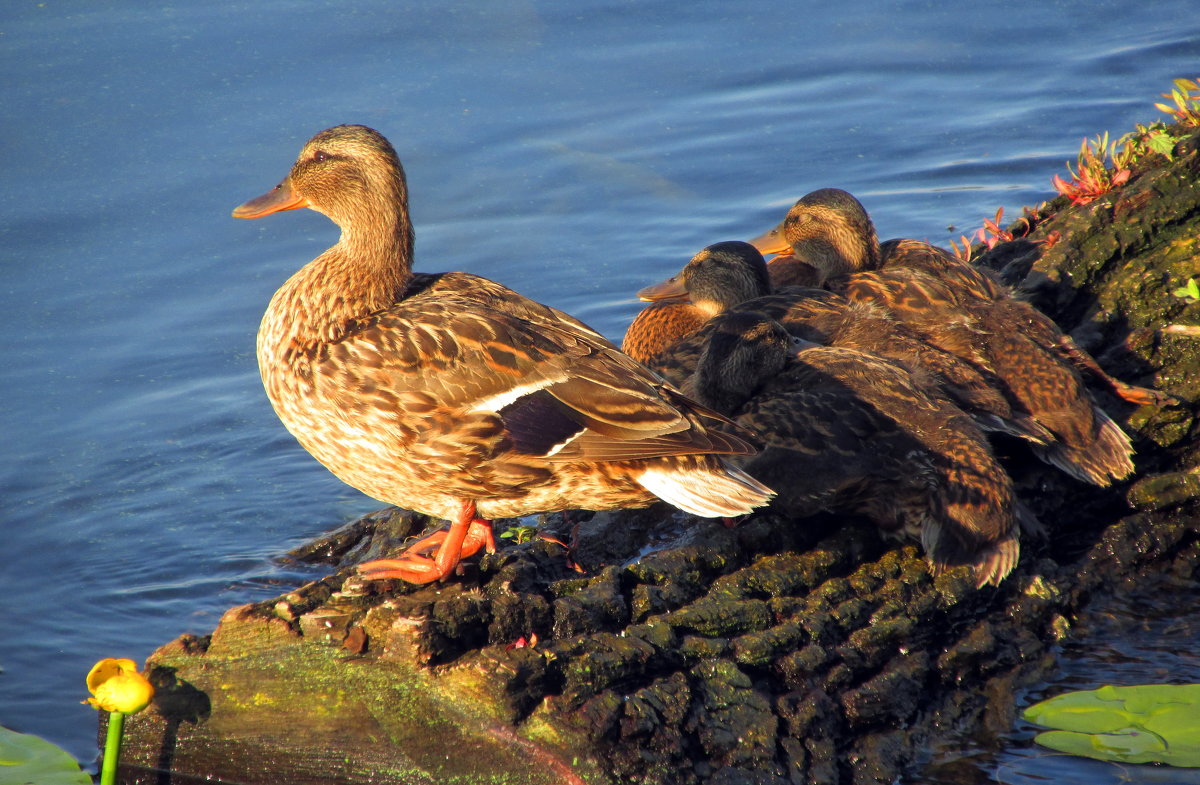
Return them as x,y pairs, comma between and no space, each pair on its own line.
112,748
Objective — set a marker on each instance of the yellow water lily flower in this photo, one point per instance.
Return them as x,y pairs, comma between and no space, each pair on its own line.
116,685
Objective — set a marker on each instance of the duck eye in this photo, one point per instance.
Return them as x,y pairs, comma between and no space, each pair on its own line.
320,155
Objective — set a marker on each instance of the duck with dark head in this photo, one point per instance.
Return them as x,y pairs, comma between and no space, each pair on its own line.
733,274
850,432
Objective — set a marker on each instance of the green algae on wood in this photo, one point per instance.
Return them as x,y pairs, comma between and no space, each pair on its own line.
324,714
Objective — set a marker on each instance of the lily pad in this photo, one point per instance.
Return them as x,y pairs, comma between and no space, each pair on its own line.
1150,723
25,758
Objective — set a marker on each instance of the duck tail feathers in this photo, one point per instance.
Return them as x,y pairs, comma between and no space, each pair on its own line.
719,490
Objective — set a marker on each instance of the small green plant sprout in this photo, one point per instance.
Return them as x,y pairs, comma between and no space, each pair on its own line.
1092,177
964,253
1186,96
520,534
1189,291
992,234
1145,139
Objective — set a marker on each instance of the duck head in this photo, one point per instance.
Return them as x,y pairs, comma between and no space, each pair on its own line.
744,350
351,174
828,229
716,279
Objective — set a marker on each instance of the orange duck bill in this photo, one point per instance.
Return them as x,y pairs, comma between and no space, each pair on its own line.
670,289
772,242
278,199
466,535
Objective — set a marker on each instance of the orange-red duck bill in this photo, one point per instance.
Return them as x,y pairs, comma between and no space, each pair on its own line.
278,199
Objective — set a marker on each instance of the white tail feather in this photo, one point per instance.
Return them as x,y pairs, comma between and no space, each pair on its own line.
709,494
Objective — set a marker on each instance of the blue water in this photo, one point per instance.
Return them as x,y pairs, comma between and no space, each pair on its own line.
575,151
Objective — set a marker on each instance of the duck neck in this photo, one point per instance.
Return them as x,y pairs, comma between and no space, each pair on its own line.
836,256
371,264
840,248
366,271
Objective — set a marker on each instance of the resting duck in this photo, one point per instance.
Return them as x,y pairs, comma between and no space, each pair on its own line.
960,309
733,274
454,396
847,431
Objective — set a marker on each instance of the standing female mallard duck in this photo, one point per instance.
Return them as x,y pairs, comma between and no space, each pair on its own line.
847,431
960,309
733,274
456,397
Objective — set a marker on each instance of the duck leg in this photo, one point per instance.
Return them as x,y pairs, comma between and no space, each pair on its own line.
466,535
1142,396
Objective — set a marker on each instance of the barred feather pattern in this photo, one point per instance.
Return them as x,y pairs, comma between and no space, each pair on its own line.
852,432
727,275
427,390
965,312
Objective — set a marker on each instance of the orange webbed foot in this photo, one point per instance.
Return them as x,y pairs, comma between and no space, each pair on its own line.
434,557
1143,396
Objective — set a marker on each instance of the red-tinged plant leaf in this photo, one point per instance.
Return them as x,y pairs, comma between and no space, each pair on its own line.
1064,188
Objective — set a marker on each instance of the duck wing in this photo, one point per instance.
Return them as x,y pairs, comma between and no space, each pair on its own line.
961,279
469,373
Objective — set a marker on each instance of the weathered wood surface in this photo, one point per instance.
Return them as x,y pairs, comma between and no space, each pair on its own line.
778,652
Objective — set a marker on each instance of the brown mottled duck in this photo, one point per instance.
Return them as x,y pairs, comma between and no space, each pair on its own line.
846,431
454,396
960,309
732,274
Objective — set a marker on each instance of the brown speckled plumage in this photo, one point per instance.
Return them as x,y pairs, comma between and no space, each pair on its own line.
961,310
658,326
431,391
849,431
730,274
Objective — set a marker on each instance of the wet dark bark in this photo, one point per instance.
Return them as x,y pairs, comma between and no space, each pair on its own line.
782,651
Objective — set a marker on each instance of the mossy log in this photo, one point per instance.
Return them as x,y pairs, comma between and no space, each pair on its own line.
672,650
